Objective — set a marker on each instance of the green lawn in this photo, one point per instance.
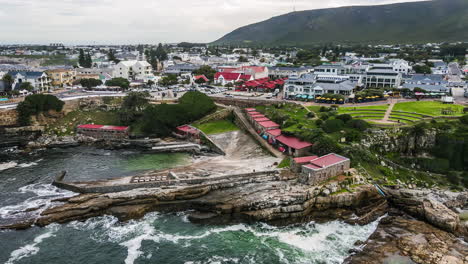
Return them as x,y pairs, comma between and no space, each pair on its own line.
216,127
431,108
357,108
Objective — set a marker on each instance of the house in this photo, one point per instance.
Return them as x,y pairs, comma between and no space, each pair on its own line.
310,86
133,70
323,168
297,163
202,77
188,132
103,132
62,77
293,146
181,68
264,126
224,78
285,72
40,81
434,83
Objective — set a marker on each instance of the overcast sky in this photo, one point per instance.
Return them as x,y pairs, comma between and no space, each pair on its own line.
141,21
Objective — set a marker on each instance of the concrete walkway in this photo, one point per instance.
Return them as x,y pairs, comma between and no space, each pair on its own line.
389,111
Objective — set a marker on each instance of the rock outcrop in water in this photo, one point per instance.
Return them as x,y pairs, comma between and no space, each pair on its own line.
266,198
402,239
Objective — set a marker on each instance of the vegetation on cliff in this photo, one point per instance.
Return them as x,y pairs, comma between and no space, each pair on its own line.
36,104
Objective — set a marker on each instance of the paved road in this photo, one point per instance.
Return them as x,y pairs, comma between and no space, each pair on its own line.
454,69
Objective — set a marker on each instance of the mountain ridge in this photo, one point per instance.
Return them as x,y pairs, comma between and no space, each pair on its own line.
424,21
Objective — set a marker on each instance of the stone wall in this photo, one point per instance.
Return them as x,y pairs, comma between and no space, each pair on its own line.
8,117
210,181
313,177
244,102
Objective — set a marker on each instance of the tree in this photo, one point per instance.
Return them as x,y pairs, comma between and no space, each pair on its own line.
90,83
111,56
8,79
161,53
35,104
170,79
200,81
423,69
150,82
132,107
82,58
205,70
243,59
332,125
119,81
26,86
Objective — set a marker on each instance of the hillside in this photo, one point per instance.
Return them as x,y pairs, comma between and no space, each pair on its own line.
415,22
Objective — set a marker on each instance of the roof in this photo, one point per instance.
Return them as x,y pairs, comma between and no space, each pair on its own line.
27,74
325,161
103,127
293,142
228,76
252,113
268,124
257,116
187,128
261,119
274,132
201,77
305,159
249,109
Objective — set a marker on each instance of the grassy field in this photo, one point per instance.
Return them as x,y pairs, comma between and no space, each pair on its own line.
431,108
347,110
216,127
48,60
67,124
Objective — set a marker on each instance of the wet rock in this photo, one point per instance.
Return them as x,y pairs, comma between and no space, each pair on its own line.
401,239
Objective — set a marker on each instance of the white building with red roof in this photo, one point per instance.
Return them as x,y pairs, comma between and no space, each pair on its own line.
103,131
323,168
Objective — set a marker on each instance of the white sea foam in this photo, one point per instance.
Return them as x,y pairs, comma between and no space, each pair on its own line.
30,249
44,193
27,165
7,165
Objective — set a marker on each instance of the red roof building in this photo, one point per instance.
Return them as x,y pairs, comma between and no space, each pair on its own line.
274,132
103,131
293,142
268,125
201,77
260,119
304,160
323,168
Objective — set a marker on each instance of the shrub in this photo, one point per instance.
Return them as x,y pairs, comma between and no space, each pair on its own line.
358,124
464,119
319,122
324,116
311,115
353,135
324,109
332,125
344,117
325,145
35,104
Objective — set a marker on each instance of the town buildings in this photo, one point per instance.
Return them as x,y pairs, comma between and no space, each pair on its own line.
62,77
133,70
40,81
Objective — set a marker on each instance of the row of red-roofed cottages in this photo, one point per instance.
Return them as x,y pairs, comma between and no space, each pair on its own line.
312,169
271,132
103,131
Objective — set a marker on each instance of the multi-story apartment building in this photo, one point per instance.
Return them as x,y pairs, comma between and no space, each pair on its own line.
382,76
62,77
39,80
133,70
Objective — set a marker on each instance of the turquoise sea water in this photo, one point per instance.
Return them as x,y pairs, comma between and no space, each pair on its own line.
157,238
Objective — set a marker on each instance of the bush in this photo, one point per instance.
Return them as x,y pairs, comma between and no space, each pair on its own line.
325,145
162,119
120,82
324,109
344,117
311,115
35,104
333,125
353,135
464,119
318,122
358,124
324,116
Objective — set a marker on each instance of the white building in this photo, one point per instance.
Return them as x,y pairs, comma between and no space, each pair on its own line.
39,80
133,70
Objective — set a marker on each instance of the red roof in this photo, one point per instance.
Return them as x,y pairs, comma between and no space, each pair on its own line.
201,77
253,113
228,76
305,159
274,132
261,119
268,124
103,127
256,69
250,109
257,116
325,161
245,77
293,142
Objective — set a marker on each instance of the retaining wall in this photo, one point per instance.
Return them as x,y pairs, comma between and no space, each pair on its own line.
209,181
244,102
